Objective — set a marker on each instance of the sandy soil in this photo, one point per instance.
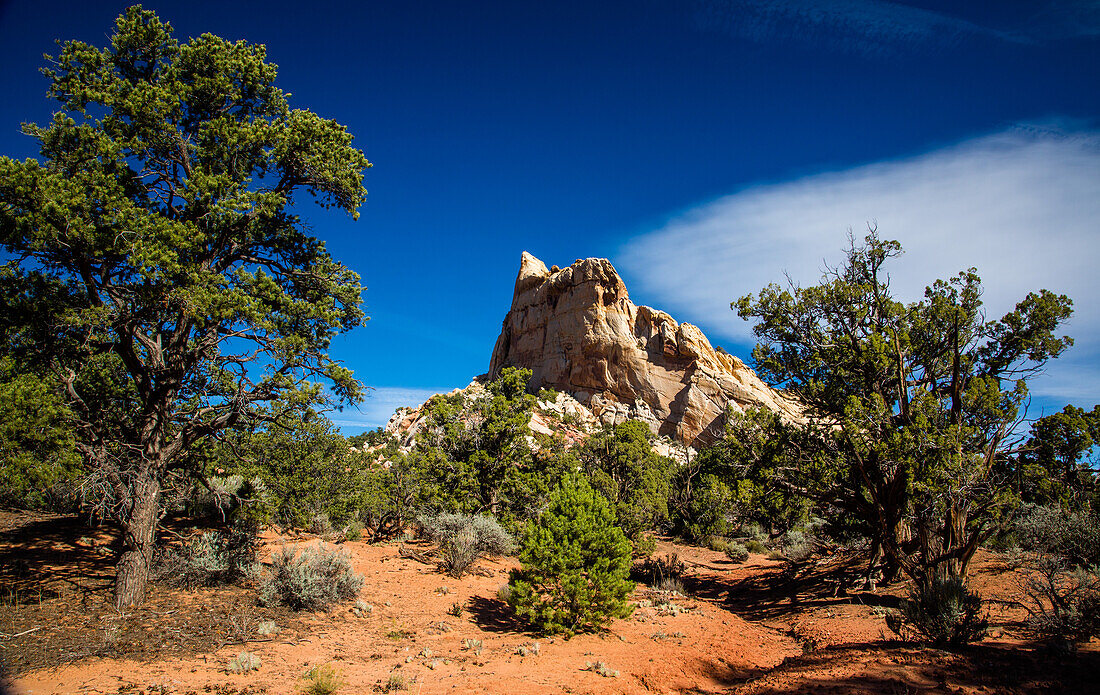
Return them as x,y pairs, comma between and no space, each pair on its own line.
765,626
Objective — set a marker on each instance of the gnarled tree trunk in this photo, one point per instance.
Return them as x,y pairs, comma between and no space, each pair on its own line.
138,542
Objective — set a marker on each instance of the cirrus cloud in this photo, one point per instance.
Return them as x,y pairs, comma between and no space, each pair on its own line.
1021,205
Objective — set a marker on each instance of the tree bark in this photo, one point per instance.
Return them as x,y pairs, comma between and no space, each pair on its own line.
138,539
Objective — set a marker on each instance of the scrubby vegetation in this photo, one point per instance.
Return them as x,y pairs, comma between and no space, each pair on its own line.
211,557
463,538
311,579
943,611
191,396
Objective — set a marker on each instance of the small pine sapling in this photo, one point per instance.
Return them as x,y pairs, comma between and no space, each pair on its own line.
575,564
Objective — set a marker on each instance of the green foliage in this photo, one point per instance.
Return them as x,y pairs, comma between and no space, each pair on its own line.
754,546
307,469
797,545
310,580
740,479
464,538
705,509
370,438
1069,535
622,467
353,531
475,454
575,563
37,446
396,486
546,394
161,227
644,544
737,553
324,679
718,543
945,612
229,498
1056,466
912,404
1061,579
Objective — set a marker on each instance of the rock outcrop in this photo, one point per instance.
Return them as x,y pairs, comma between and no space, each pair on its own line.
576,329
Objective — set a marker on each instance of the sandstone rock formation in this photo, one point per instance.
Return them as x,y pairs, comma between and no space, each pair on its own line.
577,331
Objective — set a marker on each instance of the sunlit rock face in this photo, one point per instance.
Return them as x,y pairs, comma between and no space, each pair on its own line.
576,329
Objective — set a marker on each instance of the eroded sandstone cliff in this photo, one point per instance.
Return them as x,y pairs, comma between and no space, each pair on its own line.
576,329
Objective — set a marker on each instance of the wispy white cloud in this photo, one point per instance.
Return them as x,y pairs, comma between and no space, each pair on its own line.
851,26
380,404
1023,206
882,28
1057,20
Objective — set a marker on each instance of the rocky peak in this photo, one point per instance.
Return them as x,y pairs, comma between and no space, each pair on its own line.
577,331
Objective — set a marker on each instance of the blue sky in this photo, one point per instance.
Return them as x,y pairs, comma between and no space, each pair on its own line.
704,147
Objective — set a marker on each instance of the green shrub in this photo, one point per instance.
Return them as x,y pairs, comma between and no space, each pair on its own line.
393,490
224,497
307,470
717,543
797,545
644,544
325,679
37,444
737,553
1073,535
546,394
943,611
575,563
311,580
706,511
463,538
621,465
754,546
353,532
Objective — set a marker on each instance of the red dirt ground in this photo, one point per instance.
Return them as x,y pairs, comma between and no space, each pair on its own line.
763,627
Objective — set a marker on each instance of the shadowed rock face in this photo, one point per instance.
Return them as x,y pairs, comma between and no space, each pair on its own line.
577,331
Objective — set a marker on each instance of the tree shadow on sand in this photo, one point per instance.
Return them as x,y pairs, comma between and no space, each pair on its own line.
778,589
41,556
890,668
494,615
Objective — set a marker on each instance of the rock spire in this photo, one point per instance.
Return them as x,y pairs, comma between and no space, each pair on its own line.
576,329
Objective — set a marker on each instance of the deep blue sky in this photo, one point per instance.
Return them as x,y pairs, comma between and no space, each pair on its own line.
622,129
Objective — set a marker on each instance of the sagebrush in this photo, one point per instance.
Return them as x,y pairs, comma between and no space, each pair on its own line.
312,579
464,538
1063,603
943,611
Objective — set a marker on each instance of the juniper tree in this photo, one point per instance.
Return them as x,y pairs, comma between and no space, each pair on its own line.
915,403
623,467
157,243
476,446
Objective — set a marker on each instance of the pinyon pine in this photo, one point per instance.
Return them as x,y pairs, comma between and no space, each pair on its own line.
575,563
